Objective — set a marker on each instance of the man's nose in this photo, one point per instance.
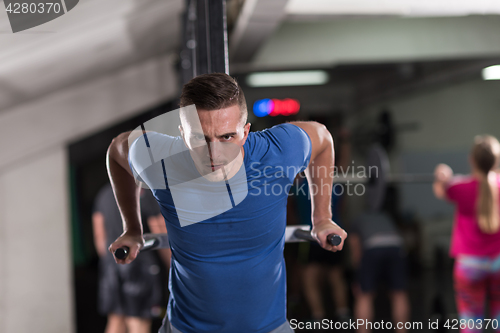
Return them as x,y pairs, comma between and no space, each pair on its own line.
213,148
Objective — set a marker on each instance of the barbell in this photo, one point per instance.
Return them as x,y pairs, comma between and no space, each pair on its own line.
379,176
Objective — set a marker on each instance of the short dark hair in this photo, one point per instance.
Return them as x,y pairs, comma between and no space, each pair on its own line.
213,92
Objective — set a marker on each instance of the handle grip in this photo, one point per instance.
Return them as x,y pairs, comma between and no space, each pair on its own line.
332,239
122,252
153,242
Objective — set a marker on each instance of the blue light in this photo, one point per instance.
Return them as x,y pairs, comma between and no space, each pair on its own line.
263,107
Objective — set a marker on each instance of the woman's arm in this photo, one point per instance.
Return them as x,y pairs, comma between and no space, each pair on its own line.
442,176
99,233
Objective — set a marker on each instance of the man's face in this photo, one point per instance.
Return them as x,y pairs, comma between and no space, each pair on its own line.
215,140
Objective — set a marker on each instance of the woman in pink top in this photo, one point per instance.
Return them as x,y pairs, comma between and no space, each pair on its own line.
475,243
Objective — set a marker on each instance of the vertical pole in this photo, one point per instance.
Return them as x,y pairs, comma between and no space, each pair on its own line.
204,48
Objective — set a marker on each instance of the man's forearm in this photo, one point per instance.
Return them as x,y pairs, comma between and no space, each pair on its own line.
320,180
127,192
319,173
320,177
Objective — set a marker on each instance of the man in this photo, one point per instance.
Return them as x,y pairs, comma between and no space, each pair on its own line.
223,193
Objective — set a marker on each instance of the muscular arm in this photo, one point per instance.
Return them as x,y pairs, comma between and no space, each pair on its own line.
319,175
127,197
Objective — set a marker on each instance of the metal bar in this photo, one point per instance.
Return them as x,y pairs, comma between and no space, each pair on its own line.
393,179
204,47
202,40
352,180
211,37
306,235
411,178
188,54
294,233
291,236
219,56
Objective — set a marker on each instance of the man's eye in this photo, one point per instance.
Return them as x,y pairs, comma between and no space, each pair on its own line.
227,137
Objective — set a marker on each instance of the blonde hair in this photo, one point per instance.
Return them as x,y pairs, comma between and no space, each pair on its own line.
485,155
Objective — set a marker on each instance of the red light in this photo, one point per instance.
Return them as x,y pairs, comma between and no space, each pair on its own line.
277,110
276,107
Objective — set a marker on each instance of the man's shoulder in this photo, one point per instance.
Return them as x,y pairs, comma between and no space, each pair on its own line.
157,145
284,145
147,153
279,136
280,129
151,139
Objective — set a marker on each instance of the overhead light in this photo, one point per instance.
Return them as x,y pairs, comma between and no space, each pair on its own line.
408,8
295,78
491,73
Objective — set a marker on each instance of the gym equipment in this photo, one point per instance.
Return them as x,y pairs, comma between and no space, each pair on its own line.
204,39
296,233
378,177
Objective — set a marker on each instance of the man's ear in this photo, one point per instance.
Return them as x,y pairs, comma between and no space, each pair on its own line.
246,131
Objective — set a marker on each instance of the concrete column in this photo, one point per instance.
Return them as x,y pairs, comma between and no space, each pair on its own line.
36,286
35,279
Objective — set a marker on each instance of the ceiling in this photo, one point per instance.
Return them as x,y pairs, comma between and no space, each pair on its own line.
101,36
92,39
280,34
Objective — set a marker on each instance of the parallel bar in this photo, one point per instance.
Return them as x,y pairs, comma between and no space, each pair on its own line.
306,235
295,233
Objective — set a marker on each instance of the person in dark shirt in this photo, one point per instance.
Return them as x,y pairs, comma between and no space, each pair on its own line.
128,295
378,256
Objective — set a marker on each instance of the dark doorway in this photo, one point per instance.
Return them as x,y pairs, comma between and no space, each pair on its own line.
87,163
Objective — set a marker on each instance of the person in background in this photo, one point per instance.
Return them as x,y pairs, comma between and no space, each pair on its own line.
128,295
378,255
475,242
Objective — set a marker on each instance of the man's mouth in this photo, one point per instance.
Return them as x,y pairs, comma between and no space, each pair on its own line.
215,166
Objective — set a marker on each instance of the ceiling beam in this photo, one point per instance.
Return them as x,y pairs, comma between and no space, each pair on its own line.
256,23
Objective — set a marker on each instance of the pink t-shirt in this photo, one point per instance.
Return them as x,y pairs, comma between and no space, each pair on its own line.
467,238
